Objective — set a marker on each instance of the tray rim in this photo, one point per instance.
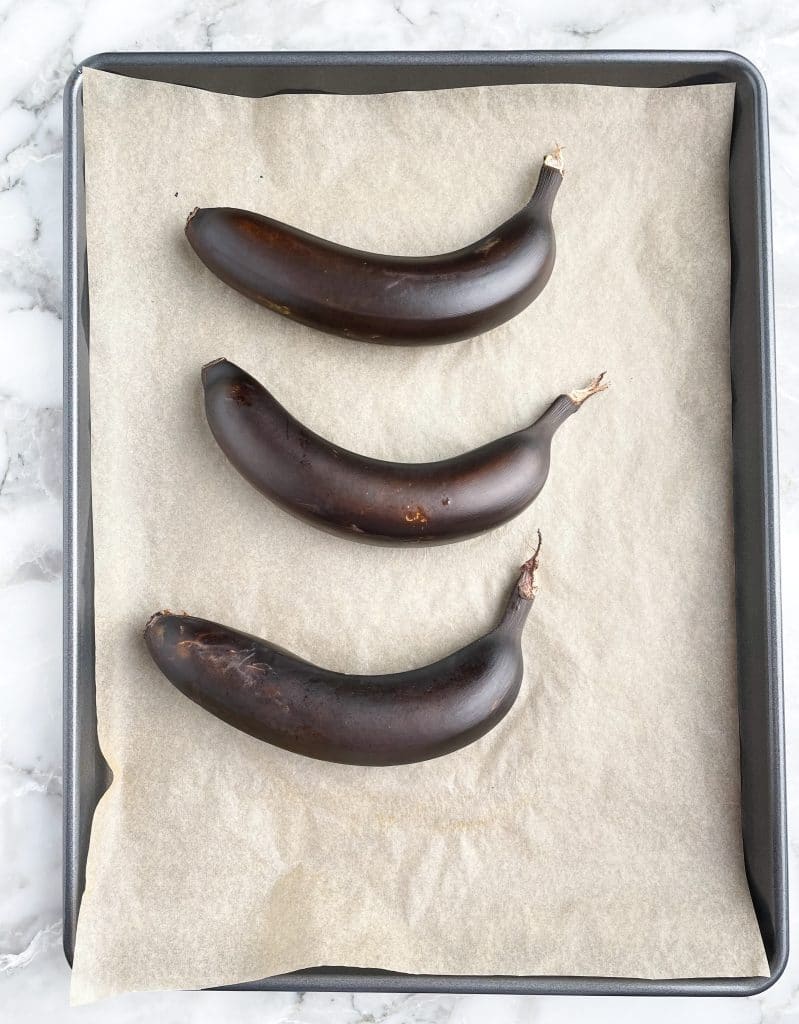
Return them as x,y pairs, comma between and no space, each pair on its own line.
376,980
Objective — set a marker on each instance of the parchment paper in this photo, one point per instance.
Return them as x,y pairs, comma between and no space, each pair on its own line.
596,830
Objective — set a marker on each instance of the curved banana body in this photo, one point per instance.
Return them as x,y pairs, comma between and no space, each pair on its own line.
371,498
380,298
392,719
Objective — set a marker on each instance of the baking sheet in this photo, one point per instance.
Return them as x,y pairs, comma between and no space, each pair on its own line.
596,831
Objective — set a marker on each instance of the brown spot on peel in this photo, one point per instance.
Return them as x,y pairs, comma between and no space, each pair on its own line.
276,307
241,394
416,515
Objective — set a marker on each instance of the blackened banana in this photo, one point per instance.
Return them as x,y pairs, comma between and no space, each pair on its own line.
371,498
378,298
353,719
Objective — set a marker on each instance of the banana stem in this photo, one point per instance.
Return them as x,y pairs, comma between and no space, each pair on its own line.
522,596
555,158
579,395
528,585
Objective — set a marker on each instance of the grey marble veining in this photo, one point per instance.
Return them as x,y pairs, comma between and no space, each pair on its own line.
40,42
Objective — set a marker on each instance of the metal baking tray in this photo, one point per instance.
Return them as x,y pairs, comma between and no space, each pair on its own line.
760,701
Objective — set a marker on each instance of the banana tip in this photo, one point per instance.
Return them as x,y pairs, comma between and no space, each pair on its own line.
209,366
152,622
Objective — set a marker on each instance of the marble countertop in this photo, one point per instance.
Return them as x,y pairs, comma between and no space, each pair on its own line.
40,42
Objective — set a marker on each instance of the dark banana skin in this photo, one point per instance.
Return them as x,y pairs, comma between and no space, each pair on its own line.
372,499
394,719
385,299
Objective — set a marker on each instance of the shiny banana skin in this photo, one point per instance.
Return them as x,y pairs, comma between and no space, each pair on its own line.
373,499
381,720
412,300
